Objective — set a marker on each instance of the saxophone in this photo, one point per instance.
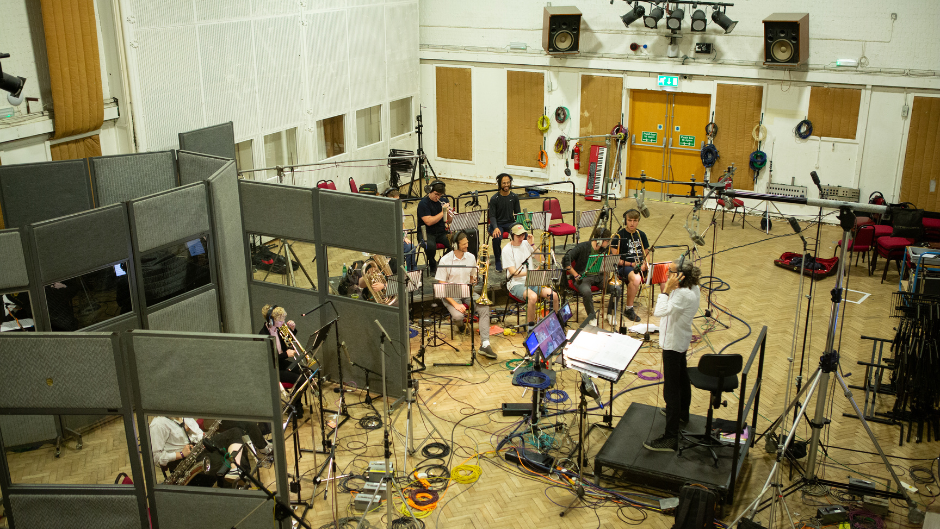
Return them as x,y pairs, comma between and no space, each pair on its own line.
185,469
483,264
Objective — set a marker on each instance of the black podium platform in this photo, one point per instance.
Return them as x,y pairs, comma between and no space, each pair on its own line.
623,456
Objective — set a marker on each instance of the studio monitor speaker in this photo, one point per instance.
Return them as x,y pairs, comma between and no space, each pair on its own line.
786,39
561,29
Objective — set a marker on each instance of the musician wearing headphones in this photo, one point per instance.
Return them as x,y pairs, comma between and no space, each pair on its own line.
459,266
575,262
676,307
434,215
633,247
504,205
518,261
275,317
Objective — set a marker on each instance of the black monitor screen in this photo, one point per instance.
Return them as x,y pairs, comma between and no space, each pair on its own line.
564,313
547,335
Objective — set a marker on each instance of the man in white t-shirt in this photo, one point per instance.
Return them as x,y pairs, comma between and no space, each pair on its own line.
517,260
459,266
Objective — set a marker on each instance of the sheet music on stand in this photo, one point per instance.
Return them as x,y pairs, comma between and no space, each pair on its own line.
588,218
451,290
466,221
603,355
537,278
660,273
600,263
540,220
414,281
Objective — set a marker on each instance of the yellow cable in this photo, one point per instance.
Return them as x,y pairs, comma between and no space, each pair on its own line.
466,474
544,123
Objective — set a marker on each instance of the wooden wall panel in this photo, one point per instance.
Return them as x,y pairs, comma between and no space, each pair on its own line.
601,110
81,148
922,156
737,111
454,113
525,103
834,111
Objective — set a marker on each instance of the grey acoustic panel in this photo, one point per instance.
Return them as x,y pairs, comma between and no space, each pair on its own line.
357,328
246,391
126,177
27,429
13,272
361,222
81,423
196,167
168,217
294,301
199,313
42,191
62,371
188,510
227,222
68,246
124,322
217,140
75,511
277,209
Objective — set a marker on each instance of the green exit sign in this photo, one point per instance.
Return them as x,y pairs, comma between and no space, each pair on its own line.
668,81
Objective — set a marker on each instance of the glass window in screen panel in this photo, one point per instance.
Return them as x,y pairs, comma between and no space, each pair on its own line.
174,270
280,148
269,258
369,126
244,161
88,299
399,116
179,457
331,134
17,313
348,268
32,457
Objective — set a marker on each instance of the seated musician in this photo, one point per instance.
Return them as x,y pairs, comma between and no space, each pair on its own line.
380,280
633,246
276,317
434,214
504,205
171,441
517,260
459,267
575,263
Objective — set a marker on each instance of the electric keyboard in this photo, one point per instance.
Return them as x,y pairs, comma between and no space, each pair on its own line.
596,171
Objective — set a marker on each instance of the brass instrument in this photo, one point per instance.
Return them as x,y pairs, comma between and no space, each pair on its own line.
615,277
483,264
192,465
292,342
382,262
545,248
372,273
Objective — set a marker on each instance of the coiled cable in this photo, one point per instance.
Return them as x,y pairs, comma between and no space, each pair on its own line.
544,123
804,129
709,155
534,380
758,160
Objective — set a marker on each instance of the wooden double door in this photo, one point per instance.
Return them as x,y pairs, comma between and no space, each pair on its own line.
667,132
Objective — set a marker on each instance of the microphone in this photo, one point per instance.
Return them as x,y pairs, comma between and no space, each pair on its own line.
696,238
816,180
641,205
797,229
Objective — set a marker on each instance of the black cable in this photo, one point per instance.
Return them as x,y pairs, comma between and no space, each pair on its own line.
345,486
372,421
804,129
709,155
407,522
435,451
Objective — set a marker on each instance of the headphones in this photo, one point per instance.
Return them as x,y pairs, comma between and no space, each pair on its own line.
876,198
625,213
456,237
499,178
428,188
268,317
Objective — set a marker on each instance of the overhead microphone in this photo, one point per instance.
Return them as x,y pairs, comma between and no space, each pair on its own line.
641,204
797,229
815,178
696,238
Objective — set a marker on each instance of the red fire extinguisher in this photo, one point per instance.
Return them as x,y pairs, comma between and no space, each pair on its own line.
576,156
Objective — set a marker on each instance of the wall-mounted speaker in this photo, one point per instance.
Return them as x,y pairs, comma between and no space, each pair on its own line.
561,29
786,39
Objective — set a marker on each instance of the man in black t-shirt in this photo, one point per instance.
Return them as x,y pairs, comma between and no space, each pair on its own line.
575,262
502,214
434,215
633,247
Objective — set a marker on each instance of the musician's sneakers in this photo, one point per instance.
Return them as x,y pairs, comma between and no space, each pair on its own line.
663,444
488,352
612,320
593,322
461,327
631,314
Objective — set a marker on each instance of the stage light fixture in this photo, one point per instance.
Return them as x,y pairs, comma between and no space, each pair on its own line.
699,21
724,21
674,21
12,84
633,15
652,20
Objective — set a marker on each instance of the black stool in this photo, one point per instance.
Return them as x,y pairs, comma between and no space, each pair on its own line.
717,374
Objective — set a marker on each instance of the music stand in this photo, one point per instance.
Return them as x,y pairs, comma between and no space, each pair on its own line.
540,220
466,221
544,278
456,291
586,219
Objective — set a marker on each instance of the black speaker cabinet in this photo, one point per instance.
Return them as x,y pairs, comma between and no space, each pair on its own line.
561,29
786,39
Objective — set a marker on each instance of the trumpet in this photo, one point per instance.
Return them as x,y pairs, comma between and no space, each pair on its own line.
483,264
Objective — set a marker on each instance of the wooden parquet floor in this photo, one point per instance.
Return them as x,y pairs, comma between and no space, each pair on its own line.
461,401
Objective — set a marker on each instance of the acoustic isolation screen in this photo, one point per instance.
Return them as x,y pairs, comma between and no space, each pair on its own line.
80,373
217,140
199,313
126,177
227,220
208,359
55,511
295,301
195,167
186,206
361,222
13,272
277,209
194,510
20,430
41,191
69,246
125,322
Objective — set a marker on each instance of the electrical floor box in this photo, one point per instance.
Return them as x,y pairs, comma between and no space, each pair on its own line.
377,471
534,461
371,492
832,514
861,487
876,505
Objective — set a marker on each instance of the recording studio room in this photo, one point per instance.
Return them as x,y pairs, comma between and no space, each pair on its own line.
428,263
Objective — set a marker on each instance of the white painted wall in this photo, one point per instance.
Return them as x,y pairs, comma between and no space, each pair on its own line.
901,64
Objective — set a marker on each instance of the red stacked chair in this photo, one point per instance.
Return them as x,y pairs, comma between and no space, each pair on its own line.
352,185
861,243
931,229
734,205
892,249
561,228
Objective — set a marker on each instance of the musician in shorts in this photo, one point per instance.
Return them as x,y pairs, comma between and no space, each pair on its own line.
517,261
